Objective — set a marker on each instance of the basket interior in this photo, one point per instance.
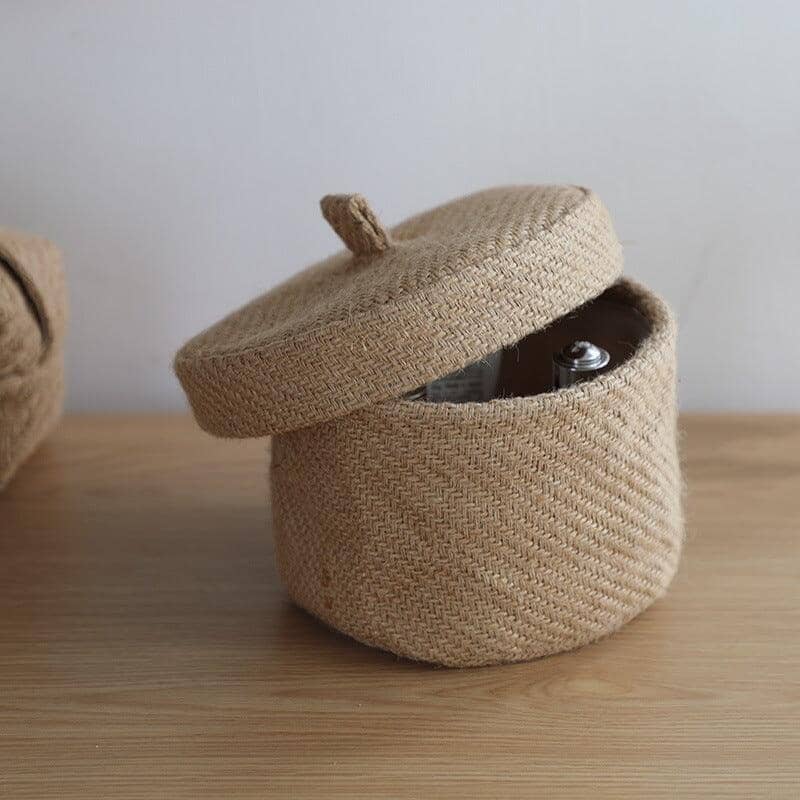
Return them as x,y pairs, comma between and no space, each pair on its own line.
612,320
615,320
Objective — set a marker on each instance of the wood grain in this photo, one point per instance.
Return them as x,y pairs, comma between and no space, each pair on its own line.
147,649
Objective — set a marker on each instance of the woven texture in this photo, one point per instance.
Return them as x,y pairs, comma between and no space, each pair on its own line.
355,223
32,322
485,533
399,309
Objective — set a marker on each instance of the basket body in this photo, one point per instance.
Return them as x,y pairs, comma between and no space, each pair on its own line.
32,326
477,534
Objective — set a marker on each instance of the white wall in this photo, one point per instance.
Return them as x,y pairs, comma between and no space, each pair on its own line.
177,150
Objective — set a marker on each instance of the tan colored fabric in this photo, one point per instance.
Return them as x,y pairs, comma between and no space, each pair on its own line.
32,322
355,223
458,534
485,533
442,290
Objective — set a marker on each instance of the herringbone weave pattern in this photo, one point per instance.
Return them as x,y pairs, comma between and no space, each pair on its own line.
443,289
493,532
32,321
457,534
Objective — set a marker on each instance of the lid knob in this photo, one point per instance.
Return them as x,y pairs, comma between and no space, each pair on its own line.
355,223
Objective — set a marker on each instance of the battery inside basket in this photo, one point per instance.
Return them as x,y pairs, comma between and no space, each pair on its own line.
526,368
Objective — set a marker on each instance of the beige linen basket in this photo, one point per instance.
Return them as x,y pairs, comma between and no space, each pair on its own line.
32,321
472,533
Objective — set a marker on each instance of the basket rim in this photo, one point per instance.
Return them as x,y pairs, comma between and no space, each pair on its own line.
662,331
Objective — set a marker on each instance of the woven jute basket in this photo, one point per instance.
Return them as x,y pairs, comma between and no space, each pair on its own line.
462,534
32,322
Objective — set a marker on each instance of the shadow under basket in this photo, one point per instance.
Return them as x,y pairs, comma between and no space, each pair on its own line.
482,533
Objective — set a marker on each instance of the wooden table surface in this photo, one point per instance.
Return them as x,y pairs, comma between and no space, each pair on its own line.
147,649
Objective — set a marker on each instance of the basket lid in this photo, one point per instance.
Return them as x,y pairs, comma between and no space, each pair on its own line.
399,307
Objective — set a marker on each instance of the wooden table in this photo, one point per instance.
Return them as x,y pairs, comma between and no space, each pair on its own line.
147,649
